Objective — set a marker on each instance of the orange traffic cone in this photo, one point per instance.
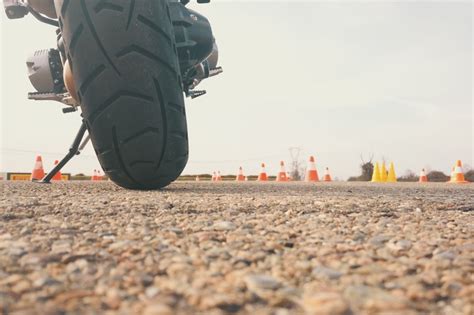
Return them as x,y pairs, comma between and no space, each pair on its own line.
327,176
262,177
452,175
312,173
458,175
219,177
94,177
38,170
282,177
58,175
240,176
423,177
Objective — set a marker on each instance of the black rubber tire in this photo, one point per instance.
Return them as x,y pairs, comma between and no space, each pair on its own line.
124,62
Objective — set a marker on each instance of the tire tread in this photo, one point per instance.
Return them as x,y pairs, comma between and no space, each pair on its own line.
125,66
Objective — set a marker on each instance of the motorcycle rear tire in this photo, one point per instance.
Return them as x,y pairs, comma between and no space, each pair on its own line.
125,67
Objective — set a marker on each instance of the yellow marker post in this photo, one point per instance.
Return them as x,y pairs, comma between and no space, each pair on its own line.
376,174
383,173
392,177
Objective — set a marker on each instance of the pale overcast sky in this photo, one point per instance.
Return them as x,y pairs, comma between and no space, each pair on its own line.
338,79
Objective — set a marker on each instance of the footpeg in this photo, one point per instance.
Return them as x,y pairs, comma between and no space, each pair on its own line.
41,96
215,71
196,94
67,110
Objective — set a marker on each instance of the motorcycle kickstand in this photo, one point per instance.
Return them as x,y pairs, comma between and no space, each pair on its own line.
75,149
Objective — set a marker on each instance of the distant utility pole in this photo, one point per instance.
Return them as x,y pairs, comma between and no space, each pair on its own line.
296,171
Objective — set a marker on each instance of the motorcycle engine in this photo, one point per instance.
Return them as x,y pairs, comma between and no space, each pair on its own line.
197,50
15,9
45,71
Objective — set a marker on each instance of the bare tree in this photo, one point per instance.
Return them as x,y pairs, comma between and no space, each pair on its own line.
296,168
367,169
408,176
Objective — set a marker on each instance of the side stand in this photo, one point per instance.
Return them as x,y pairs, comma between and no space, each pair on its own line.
75,149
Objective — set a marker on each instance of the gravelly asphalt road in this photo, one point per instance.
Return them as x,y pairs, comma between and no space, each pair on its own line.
340,248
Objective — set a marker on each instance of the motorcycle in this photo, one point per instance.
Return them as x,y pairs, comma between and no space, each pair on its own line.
127,64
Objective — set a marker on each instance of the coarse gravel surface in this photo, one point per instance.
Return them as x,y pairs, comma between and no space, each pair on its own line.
230,248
